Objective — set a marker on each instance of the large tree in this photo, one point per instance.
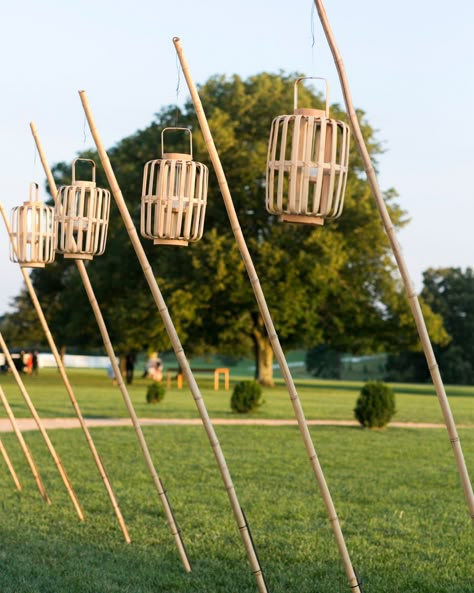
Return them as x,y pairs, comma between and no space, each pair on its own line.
333,284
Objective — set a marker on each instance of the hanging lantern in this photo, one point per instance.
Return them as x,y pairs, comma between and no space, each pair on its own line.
307,164
32,237
174,197
82,217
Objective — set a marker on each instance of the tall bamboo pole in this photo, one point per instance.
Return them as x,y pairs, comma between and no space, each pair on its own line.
116,370
178,349
24,446
272,334
72,397
41,428
411,293
9,463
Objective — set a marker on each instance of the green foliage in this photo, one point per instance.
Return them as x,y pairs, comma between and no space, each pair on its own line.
322,361
246,397
375,405
331,285
155,392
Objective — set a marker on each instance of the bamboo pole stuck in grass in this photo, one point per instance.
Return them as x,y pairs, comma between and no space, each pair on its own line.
24,446
9,463
41,428
72,397
411,293
117,373
178,349
272,334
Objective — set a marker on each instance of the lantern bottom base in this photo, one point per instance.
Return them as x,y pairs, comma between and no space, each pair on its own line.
77,256
181,242
33,265
302,219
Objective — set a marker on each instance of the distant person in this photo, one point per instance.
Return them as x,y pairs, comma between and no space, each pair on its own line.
129,367
154,367
34,361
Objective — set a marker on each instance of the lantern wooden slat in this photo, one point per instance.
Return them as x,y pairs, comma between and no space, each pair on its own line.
307,164
174,197
32,237
82,217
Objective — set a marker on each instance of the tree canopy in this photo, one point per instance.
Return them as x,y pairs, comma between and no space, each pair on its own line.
333,285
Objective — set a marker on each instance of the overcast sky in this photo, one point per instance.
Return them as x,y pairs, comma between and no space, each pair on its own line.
410,65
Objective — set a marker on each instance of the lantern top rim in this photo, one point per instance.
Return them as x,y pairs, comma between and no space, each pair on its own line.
178,156
83,182
311,112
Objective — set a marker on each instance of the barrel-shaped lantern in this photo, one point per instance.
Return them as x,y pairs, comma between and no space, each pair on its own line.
82,217
32,237
174,197
308,156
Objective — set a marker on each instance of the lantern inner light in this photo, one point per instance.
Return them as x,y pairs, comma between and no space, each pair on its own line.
82,217
32,238
174,197
307,165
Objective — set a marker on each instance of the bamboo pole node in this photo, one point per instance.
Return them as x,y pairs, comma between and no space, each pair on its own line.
32,237
82,217
174,197
307,164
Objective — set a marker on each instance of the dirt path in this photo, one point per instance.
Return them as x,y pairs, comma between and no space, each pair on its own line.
26,424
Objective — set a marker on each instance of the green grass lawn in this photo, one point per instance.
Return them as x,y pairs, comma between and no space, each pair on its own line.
396,491
98,397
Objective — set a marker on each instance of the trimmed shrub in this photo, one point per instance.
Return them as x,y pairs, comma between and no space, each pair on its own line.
155,392
246,397
375,405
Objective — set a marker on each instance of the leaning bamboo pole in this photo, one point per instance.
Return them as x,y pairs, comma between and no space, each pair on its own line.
24,446
179,351
264,311
397,251
9,463
72,397
41,428
175,531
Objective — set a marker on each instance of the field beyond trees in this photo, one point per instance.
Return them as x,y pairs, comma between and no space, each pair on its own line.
397,494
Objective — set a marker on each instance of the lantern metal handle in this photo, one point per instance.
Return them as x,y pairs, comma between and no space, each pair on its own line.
74,169
184,130
36,186
311,78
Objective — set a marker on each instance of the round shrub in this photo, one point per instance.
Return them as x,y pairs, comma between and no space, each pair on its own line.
375,405
155,392
246,397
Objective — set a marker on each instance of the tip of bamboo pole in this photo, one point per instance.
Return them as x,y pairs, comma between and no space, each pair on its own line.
176,40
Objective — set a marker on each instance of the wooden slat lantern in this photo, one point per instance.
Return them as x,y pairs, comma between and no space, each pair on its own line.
32,237
308,155
174,197
82,217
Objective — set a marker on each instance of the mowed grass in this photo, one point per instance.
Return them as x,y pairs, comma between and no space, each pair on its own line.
396,491
324,400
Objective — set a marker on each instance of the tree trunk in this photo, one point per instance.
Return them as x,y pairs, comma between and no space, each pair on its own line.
263,358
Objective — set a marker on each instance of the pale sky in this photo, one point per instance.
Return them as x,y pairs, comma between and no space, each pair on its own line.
410,66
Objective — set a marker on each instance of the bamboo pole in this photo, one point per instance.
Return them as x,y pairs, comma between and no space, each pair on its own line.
72,397
411,294
175,531
178,349
41,428
24,446
272,334
9,463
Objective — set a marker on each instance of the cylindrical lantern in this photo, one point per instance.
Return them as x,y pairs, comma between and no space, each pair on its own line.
82,217
307,164
174,196
32,238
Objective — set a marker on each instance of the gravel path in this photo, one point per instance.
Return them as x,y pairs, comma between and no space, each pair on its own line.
26,424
